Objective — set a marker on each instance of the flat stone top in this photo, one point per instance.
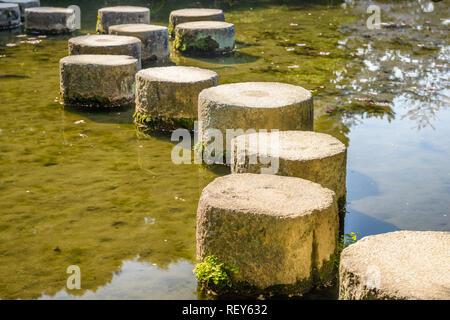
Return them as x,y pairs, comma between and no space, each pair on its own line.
257,94
124,9
50,10
196,12
265,194
293,145
99,60
201,25
137,27
180,74
9,6
103,40
411,264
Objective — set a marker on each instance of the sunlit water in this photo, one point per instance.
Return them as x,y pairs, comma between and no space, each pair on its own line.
84,188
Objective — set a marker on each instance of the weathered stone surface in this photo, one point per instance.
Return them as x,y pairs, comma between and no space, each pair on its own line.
171,92
23,4
411,265
106,44
254,105
155,40
50,20
309,155
98,80
121,15
279,231
193,14
204,37
9,15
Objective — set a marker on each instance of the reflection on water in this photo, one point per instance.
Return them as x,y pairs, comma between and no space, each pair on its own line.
84,188
141,280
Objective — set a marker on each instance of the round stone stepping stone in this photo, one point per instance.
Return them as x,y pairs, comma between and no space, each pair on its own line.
50,20
98,80
193,14
280,232
9,16
155,40
121,15
309,155
254,105
106,44
204,37
169,94
412,265
24,4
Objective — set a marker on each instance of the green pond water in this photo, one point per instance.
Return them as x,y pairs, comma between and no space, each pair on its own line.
85,188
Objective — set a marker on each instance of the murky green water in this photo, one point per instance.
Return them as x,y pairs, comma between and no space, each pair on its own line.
86,189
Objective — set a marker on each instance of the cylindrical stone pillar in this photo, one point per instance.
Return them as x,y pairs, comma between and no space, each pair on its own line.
204,37
239,107
193,14
155,40
309,155
50,20
280,232
169,95
98,80
121,15
9,16
106,44
406,265
24,4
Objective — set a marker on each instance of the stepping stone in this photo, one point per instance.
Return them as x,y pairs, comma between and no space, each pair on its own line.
254,105
280,232
50,20
204,37
309,155
169,95
412,265
121,15
106,44
24,4
9,16
98,80
193,14
155,40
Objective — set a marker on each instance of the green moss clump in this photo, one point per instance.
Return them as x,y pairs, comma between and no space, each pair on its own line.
211,272
149,123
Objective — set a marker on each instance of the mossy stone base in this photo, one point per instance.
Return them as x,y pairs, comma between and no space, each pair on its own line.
112,16
50,20
280,232
204,37
100,81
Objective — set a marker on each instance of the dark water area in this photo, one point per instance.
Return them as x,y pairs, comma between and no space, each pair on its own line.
86,188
